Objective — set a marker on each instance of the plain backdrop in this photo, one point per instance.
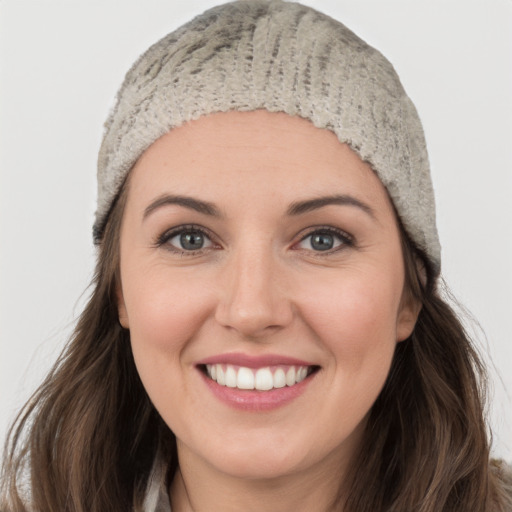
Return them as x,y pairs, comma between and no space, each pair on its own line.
61,62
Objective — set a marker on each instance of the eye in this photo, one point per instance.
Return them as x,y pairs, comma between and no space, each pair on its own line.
185,239
190,240
324,240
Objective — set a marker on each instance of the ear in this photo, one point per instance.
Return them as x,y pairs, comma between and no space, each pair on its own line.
410,308
121,308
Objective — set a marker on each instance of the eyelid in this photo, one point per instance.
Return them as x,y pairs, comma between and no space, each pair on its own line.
163,239
346,239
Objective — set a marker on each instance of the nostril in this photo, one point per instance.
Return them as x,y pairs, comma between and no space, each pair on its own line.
254,318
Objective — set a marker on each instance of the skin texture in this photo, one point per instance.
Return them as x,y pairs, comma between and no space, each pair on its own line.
258,286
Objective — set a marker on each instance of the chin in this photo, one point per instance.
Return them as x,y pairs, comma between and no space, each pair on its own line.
259,466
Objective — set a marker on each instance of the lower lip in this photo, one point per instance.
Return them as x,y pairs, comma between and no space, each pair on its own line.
252,400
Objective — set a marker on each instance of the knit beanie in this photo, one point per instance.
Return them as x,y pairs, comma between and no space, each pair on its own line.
282,57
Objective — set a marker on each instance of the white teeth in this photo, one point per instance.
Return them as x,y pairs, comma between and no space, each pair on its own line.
301,374
230,377
220,375
279,378
262,379
245,379
290,376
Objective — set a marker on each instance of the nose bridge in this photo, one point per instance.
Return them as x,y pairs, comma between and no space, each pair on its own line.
253,300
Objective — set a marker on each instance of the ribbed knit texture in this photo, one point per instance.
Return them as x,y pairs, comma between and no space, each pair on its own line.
282,57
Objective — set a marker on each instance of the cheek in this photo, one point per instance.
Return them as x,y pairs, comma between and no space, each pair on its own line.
165,314
164,311
357,325
356,320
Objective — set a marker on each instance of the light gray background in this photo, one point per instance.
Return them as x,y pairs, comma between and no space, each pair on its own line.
61,62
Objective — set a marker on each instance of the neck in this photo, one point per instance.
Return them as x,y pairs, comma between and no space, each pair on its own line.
197,487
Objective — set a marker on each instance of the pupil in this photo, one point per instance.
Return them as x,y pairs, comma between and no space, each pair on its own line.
322,242
191,241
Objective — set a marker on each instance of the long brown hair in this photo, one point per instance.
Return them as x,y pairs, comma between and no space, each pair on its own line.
427,443
86,440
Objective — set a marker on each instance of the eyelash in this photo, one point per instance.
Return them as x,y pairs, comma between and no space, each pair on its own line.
345,239
164,238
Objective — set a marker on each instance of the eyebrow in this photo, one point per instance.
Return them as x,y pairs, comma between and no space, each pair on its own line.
308,205
188,202
296,208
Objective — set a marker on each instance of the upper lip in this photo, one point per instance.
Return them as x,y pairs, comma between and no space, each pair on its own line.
250,361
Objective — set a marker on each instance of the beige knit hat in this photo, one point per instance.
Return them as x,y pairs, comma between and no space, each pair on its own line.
282,57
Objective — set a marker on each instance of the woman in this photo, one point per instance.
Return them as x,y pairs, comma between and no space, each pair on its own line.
265,328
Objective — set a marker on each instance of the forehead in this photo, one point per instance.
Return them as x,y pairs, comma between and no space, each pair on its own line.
222,155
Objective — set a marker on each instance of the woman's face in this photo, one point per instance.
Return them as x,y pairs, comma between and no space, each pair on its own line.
258,251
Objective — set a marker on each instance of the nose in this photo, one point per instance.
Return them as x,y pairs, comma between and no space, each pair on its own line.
254,299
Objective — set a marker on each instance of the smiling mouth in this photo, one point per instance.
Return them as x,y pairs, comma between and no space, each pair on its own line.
259,379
